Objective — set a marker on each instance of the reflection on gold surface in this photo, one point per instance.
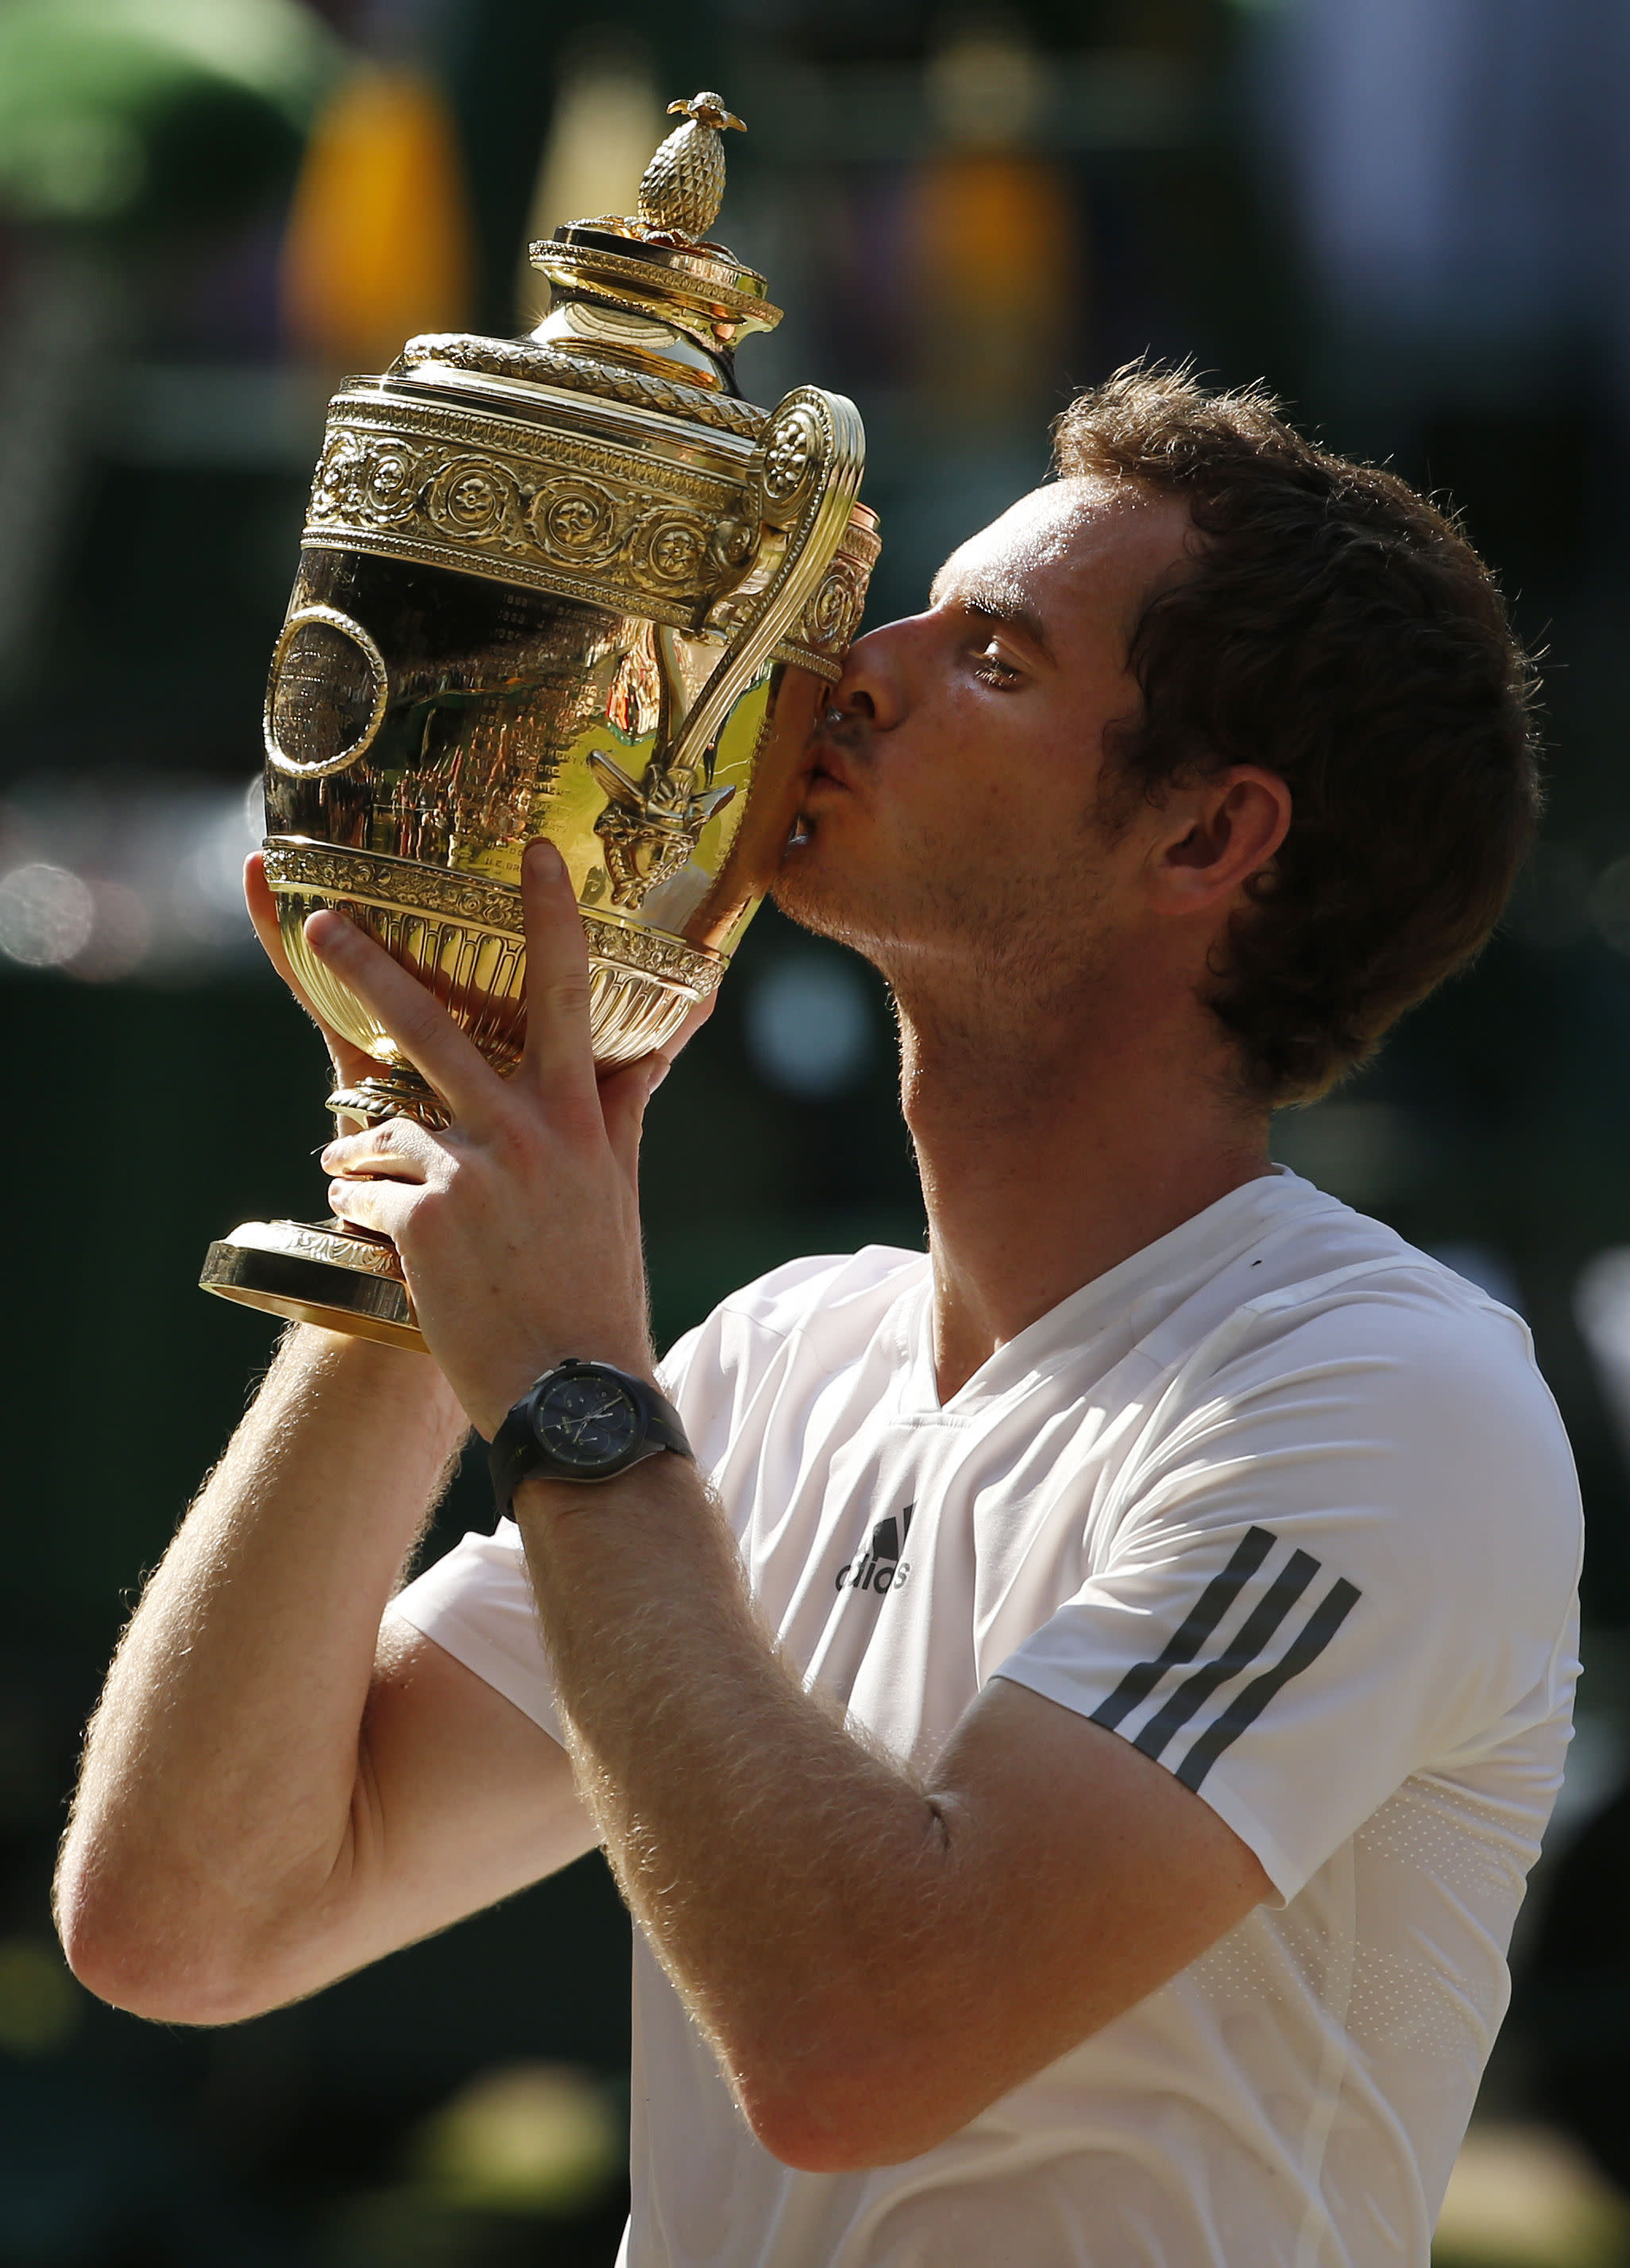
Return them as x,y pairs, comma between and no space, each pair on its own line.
440,720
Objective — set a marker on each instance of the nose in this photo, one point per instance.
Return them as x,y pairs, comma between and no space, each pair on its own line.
875,684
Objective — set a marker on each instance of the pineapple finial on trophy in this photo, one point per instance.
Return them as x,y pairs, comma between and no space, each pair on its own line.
684,186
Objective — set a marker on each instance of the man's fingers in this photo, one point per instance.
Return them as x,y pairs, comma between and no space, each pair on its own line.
421,1027
558,1060
624,1095
384,1206
350,1062
397,1149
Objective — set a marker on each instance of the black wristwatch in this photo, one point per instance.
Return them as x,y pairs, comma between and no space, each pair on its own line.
583,1421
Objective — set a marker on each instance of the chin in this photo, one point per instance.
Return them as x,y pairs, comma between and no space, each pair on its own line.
807,891
800,897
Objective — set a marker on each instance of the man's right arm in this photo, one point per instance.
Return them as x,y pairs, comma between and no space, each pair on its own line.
274,1791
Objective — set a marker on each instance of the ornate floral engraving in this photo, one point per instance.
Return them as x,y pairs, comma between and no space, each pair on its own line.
791,448
830,616
545,508
393,1096
833,615
579,522
387,476
672,548
346,1252
477,499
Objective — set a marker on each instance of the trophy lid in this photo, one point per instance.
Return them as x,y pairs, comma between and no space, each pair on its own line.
646,300
659,263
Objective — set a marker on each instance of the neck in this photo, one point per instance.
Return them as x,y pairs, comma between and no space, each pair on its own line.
1053,1146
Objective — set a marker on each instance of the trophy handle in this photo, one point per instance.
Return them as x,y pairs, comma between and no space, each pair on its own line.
806,469
810,459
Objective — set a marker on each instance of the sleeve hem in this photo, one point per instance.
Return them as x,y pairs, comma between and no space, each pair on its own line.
467,1644
1287,1878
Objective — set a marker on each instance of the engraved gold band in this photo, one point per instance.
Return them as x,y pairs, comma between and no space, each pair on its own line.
368,877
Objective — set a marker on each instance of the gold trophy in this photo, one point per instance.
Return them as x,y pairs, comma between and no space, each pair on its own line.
572,585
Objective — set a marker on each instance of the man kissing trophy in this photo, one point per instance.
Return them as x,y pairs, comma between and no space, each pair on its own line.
1070,1710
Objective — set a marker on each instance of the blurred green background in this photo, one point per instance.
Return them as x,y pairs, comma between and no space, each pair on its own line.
1412,216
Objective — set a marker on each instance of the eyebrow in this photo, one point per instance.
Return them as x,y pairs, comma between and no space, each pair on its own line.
995,602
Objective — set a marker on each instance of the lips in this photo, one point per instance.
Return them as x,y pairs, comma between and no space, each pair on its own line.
828,772
828,764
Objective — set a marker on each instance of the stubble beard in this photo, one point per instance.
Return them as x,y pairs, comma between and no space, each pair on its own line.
989,962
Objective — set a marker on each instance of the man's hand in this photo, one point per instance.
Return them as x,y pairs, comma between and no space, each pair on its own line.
518,1225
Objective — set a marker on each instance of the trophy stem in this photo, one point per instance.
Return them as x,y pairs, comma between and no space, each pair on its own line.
396,1093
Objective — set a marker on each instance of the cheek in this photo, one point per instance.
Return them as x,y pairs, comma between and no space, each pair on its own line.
991,767
968,831
971,751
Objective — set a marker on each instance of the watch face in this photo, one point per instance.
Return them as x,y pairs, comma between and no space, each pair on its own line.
589,1421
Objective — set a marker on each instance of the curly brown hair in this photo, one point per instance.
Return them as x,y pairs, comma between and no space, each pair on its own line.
1337,628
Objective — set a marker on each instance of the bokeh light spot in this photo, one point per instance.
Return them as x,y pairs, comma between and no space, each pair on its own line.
41,2006
47,916
533,2137
810,1026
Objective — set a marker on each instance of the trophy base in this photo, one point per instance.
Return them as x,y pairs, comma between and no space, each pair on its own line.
331,1276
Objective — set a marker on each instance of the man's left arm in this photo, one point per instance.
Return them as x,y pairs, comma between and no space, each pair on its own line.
874,1958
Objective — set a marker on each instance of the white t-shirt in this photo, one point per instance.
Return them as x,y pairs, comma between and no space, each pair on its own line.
1282,1502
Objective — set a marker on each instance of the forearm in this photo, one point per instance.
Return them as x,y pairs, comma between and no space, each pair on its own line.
780,1867
224,1778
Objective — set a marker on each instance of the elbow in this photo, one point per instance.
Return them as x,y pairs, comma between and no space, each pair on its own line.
141,1976
137,1976
876,2104
799,2136
144,1956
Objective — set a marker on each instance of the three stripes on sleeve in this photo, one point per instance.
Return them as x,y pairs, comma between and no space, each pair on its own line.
1278,1590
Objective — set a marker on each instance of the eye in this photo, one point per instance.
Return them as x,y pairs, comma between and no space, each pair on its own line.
991,667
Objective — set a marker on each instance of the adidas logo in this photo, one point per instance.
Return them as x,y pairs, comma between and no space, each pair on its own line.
880,1568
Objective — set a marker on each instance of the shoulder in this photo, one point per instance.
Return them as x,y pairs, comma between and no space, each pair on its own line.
1377,1407
1327,1282
846,1290
815,1317
1371,1427
1372,1308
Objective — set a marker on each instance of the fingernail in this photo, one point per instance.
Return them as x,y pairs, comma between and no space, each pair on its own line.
664,1065
331,932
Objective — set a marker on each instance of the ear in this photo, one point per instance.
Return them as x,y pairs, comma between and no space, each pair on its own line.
1219,832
